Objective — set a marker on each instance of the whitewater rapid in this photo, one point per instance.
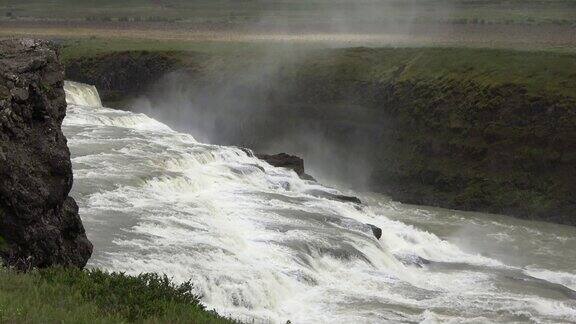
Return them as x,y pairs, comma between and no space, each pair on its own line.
260,245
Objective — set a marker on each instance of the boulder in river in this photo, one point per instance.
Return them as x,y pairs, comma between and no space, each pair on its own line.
283,160
351,199
377,231
328,195
39,222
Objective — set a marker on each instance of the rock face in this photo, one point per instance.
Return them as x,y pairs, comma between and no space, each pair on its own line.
377,231
39,222
328,195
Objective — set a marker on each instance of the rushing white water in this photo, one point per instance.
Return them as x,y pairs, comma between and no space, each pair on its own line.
259,243
81,94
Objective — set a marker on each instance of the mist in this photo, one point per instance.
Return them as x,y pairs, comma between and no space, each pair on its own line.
251,99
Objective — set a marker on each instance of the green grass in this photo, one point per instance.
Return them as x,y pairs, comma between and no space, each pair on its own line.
89,47
301,11
61,295
540,72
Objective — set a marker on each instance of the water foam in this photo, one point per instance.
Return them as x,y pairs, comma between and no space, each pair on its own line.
565,279
255,242
81,94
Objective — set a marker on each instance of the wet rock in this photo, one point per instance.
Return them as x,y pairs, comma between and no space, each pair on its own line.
283,160
325,194
248,151
308,177
351,199
377,231
412,260
20,94
4,92
39,222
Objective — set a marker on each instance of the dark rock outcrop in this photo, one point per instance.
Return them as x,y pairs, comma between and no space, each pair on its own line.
39,222
328,195
283,160
377,231
351,199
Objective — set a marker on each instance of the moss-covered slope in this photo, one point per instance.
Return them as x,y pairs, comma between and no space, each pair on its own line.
477,130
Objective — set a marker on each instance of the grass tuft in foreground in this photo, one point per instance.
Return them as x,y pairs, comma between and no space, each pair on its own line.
93,296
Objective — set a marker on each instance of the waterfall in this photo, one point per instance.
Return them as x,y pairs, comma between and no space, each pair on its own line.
260,244
81,94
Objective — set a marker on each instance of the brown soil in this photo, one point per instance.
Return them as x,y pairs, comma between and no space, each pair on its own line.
499,36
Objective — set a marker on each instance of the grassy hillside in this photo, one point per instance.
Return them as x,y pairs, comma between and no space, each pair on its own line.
540,72
299,11
82,48
527,25
73,296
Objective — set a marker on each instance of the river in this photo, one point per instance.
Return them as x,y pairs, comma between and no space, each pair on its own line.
261,245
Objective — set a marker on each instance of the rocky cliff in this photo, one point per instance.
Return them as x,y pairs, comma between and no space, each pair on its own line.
39,222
